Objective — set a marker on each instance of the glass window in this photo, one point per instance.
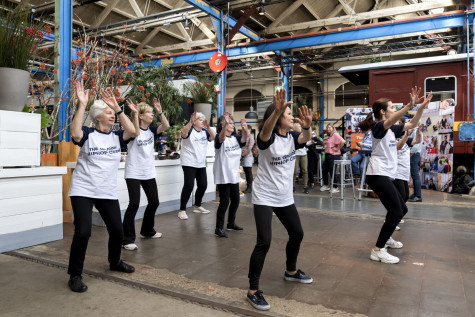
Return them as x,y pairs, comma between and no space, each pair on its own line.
442,88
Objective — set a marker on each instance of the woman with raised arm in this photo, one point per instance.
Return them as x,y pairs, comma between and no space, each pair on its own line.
195,137
383,166
248,160
140,171
273,191
228,146
94,180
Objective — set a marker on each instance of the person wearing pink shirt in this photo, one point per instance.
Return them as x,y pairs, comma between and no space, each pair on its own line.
332,142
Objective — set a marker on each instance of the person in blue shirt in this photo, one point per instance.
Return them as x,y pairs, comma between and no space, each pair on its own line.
365,145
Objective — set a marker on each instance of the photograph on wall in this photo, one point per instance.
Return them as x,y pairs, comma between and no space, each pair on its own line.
445,165
445,182
429,150
353,118
446,123
446,143
429,181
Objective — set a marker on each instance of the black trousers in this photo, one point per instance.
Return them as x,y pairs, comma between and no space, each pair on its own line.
189,175
327,168
289,217
393,202
403,188
312,164
109,210
150,188
227,192
248,173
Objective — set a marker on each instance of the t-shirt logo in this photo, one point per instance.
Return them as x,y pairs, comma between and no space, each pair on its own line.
103,151
281,160
231,148
145,142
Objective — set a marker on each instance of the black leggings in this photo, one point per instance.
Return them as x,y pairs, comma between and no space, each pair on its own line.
403,188
150,188
189,175
227,192
248,173
312,163
392,201
109,210
289,217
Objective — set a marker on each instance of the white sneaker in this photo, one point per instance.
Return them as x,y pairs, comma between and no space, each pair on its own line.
402,221
201,209
324,188
383,256
335,190
130,247
393,244
397,228
156,235
182,215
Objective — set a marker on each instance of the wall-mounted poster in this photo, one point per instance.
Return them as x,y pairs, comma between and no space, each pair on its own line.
353,117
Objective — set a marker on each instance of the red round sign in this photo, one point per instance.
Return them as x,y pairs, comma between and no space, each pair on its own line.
218,62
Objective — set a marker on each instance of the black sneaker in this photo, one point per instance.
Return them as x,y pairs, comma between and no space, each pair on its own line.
234,227
415,199
220,233
122,267
76,285
306,190
257,300
298,277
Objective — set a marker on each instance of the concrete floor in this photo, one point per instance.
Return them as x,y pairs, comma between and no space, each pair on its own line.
203,273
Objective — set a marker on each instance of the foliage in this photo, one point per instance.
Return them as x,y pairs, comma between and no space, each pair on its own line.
147,83
20,35
301,100
46,120
377,59
202,90
173,134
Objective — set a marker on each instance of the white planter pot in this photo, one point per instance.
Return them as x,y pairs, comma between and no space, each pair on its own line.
204,108
13,88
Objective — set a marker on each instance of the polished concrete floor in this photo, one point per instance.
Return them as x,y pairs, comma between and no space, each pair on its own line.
436,275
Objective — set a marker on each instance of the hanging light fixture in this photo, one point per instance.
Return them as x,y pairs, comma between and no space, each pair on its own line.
261,10
187,24
251,114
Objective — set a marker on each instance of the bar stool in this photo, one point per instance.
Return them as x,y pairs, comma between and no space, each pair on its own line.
366,154
319,178
343,164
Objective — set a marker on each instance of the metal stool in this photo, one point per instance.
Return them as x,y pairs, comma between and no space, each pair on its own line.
366,154
319,178
343,180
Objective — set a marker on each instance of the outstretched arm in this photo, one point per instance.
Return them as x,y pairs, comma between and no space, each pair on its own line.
280,106
108,97
415,120
222,133
305,120
135,120
163,120
187,127
211,131
76,124
395,117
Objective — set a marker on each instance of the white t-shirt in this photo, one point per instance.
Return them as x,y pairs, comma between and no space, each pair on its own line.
404,161
273,185
193,148
383,159
227,158
140,163
301,152
95,175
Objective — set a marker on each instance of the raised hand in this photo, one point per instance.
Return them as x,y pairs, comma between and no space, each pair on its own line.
414,94
157,105
227,118
193,117
244,125
426,101
83,96
305,117
206,124
280,101
133,107
108,97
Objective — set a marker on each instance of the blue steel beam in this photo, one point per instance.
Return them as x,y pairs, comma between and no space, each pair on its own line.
215,13
65,44
393,28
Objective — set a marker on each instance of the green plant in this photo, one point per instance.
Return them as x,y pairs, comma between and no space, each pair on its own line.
147,83
46,120
173,134
202,90
20,34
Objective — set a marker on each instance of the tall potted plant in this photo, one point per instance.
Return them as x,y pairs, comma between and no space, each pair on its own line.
202,94
19,36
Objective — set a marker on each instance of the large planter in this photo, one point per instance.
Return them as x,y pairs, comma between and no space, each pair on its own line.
204,108
13,88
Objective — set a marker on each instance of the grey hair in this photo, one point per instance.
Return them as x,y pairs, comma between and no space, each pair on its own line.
96,109
461,170
200,115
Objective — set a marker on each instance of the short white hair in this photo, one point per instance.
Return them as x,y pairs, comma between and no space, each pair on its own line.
200,115
96,109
